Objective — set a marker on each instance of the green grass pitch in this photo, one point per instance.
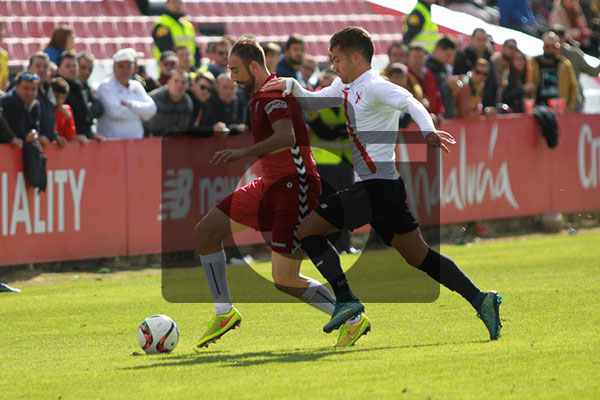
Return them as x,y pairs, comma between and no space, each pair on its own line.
74,337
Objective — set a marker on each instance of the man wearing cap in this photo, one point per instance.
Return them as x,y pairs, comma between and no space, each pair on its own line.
126,103
171,30
168,61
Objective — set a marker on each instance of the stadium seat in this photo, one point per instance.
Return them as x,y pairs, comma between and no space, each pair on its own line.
63,8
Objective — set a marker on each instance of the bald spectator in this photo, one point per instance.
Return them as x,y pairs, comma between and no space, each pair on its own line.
552,75
68,70
469,97
173,106
168,61
126,103
272,54
466,59
60,41
220,56
289,66
432,99
85,62
225,106
397,53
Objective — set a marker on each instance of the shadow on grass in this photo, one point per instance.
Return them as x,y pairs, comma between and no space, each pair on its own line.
225,359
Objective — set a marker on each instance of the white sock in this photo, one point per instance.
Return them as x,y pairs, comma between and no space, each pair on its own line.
353,320
215,268
318,296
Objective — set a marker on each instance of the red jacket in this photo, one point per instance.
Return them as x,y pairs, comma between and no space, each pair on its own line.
430,90
65,126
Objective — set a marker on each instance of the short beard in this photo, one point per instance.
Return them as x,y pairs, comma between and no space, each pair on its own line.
249,85
294,62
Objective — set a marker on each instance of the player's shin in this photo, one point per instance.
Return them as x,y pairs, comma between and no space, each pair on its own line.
318,296
326,259
215,268
445,271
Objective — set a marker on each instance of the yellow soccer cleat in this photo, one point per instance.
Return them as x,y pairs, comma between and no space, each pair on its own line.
349,334
220,325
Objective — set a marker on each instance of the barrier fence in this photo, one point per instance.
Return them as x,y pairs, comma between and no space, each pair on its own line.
118,198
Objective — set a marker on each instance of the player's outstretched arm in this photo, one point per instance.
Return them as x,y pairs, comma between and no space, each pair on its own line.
440,139
308,101
283,137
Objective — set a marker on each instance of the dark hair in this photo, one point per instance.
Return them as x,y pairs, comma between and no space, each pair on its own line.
206,75
271,48
295,38
38,54
65,54
249,50
176,71
353,38
478,30
445,43
59,85
87,56
515,76
398,68
59,37
415,47
396,45
481,62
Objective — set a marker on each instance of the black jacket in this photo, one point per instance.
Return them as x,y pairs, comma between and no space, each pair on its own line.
47,118
230,113
20,119
6,134
199,123
78,101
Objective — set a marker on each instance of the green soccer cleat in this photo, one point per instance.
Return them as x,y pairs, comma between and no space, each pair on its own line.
342,312
220,325
489,313
349,334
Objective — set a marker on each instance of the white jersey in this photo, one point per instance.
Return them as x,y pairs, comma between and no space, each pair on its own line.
372,106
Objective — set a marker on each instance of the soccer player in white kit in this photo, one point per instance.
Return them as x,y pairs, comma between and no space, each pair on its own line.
372,106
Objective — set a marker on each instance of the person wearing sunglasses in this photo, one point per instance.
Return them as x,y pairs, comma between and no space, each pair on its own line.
220,55
21,108
470,95
201,91
501,61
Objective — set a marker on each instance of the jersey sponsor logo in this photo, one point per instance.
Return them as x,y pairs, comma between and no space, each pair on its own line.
358,96
274,105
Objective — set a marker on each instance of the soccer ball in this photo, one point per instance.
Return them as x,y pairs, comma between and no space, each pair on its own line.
158,334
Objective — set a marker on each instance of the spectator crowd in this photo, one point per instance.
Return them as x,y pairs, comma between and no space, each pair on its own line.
52,100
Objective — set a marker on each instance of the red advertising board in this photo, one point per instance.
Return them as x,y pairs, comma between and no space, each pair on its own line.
129,197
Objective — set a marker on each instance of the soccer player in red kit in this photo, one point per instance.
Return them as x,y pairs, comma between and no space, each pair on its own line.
276,202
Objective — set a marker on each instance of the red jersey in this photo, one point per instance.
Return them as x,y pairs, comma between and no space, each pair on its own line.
267,108
65,126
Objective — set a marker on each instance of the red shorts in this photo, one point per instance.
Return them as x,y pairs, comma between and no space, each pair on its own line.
277,207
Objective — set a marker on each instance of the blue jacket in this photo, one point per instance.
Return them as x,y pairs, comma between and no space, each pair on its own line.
516,12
